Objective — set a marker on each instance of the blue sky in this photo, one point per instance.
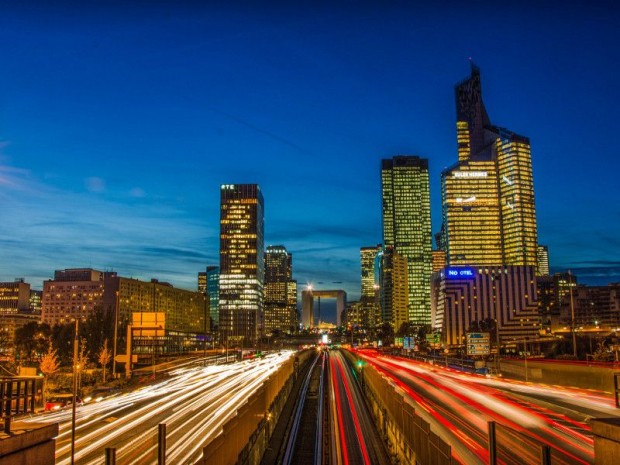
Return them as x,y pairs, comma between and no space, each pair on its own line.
118,124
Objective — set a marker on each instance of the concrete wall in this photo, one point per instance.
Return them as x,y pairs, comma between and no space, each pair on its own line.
28,444
561,373
245,436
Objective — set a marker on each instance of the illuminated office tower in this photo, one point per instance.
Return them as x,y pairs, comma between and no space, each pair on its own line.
213,289
370,286
280,307
367,259
407,226
394,291
543,261
241,263
202,282
489,216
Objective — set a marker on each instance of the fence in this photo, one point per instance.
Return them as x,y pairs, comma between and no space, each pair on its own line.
17,396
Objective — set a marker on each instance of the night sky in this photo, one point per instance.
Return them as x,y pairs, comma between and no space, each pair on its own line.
118,124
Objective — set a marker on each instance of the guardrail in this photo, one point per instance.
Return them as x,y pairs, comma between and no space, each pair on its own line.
17,397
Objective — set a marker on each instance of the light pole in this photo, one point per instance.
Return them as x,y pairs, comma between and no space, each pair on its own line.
525,356
115,335
205,329
74,397
572,314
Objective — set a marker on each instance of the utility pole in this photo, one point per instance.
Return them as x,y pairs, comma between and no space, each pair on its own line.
74,399
572,314
115,334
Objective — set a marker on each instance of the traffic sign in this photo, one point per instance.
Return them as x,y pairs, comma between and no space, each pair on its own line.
478,343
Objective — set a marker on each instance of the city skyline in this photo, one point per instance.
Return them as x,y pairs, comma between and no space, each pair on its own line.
117,135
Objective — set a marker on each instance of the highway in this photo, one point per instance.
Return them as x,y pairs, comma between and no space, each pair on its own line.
358,439
458,405
194,403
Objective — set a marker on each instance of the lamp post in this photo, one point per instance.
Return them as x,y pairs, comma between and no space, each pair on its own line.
525,356
74,397
204,342
115,335
572,314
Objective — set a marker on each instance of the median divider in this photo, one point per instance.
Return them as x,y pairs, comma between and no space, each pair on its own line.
245,437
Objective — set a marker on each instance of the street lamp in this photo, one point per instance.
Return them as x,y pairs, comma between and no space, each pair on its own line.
525,356
572,314
115,336
74,397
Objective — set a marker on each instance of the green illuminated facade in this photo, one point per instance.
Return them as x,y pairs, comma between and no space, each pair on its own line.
407,226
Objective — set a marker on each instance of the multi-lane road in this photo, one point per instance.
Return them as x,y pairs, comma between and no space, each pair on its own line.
528,416
194,403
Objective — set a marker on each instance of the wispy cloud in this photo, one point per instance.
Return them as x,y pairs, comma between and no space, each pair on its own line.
95,185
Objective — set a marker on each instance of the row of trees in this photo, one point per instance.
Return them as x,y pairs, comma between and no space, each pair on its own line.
34,340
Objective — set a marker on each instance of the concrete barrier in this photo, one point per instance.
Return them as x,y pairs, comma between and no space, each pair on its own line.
579,375
29,443
606,440
245,437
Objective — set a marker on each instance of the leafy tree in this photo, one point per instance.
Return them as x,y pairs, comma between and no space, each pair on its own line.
48,365
31,341
105,355
82,360
97,328
62,338
406,329
385,333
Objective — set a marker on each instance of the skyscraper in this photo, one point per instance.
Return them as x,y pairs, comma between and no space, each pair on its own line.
370,285
489,216
280,308
407,226
213,289
393,287
241,263
543,261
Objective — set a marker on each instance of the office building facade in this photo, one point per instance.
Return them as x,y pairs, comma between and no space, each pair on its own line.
73,294
407,226
393,287
489,215
280,309
467,295
241,263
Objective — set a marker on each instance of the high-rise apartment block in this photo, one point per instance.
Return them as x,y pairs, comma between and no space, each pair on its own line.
280,309
489,216
407,226
241,262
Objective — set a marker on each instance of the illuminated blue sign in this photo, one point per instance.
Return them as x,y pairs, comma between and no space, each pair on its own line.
460,273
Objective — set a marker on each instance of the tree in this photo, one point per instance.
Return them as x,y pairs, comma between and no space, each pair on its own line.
31,341
82,360
48,365
105,355
98,327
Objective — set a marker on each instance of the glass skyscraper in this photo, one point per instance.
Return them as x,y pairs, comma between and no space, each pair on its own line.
241,263
489,216
407,226
280,308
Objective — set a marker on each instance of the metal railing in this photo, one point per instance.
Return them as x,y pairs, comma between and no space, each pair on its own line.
17,397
